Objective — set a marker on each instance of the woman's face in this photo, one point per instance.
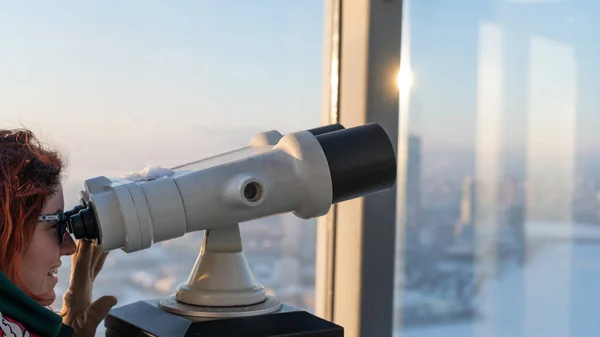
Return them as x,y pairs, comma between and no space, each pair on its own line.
42,259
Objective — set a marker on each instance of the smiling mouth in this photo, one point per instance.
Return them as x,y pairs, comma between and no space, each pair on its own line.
53,273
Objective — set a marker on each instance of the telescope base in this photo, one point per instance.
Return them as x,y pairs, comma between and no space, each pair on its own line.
146,318
170,304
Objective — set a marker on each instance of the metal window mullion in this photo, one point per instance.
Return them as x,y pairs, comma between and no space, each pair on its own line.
326,225
362,231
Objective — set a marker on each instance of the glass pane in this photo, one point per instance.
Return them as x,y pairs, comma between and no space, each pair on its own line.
117,86
501,158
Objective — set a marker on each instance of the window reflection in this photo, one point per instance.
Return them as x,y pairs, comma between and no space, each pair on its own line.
499,208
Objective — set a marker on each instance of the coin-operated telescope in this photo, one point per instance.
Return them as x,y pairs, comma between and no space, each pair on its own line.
303,172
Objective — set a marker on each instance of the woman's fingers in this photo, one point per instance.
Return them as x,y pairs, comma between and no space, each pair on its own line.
100,264
87,261
98,252
84,254
99,256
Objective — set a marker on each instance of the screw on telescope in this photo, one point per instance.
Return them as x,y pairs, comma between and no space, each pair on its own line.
253,191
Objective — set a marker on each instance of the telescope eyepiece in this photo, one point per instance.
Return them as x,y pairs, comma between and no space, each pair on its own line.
82,223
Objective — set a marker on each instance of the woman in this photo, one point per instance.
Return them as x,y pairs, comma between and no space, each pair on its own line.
30,248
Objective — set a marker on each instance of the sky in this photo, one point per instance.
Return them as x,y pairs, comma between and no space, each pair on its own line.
119,85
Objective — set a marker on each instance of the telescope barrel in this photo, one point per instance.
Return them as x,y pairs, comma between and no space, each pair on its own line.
326,129
304,172
361,161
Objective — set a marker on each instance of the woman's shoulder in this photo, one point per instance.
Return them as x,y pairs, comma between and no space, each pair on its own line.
11,328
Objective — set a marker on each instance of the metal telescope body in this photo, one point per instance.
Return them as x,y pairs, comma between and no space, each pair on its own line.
303,172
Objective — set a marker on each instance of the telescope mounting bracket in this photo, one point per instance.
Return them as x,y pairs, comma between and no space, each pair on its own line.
221,283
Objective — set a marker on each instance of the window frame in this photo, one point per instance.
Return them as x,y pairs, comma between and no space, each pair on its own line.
356,240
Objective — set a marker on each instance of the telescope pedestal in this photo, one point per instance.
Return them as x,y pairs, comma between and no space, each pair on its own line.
146,318
221,277
220,298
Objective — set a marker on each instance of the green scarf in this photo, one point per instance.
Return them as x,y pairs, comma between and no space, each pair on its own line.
15,304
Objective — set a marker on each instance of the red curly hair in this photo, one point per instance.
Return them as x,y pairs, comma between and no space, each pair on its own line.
29,174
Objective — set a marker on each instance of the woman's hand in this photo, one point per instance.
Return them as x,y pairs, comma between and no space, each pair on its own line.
78,311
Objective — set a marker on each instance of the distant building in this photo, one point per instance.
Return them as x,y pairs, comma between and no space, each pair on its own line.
512,192
468,203
413,182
